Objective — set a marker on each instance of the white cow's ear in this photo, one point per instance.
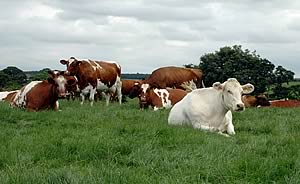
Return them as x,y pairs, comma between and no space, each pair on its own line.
248,88
218,86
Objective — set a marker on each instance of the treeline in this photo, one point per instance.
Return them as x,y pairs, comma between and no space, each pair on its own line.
248,67
12,78
227,62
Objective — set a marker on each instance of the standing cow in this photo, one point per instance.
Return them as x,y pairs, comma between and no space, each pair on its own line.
210,108
172,77
95,75
160,98
40,95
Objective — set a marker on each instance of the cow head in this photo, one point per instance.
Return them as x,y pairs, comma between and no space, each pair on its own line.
60,82
144,93
72,65
231,92
135,90
261,100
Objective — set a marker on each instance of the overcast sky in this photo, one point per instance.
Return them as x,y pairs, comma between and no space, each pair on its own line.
142,35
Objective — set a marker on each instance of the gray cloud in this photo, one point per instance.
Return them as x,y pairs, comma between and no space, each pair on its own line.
143,35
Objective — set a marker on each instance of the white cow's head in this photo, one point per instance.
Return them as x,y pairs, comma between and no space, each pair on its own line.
232,93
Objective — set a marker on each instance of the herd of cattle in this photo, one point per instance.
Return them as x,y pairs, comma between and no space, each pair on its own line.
180,88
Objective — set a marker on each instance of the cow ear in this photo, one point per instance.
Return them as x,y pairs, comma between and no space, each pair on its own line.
218,86
64,62
51,74
248,88
51,80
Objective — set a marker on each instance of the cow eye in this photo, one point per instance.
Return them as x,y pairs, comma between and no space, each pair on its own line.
230,92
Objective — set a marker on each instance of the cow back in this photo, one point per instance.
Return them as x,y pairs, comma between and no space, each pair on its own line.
9,98
176,95
171,77
91,71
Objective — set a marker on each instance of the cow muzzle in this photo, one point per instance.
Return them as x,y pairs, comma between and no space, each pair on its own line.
62,95
240,107
143,99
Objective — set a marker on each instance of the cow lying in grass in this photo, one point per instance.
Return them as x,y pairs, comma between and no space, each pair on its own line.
159,98
210,108
255,101
40,95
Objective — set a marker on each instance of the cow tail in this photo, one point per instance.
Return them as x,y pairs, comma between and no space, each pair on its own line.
203,86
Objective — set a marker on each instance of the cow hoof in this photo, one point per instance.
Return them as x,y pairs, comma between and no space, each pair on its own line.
225,135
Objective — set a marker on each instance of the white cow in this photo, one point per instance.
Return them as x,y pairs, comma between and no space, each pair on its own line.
210,108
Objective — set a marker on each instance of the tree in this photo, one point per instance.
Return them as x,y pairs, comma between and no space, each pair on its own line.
246,66
15,75
283,75
3,80
39,75
15,78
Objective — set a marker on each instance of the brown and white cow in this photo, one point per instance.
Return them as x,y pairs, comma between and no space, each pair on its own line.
172,77
255,101
160,98
128,84
95,75
40,95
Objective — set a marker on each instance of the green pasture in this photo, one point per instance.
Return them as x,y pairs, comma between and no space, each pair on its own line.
121,144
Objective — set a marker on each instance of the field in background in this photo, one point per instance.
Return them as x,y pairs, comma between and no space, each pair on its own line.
120,144
293,83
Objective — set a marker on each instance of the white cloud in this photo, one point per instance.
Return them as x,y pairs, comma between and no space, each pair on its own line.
143,35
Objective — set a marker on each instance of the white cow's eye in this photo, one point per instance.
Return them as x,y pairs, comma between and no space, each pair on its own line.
229,92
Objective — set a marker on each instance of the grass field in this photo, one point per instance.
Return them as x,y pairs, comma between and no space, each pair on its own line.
120,144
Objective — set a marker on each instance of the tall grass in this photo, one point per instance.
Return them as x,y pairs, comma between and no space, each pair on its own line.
121,144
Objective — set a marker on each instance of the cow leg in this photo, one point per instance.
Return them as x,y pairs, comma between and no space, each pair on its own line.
204,127
92,95
228,123
155,108
82,98
210,129
221,133
56,106
119,89
107,98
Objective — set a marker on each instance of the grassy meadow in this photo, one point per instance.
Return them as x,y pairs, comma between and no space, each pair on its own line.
121,144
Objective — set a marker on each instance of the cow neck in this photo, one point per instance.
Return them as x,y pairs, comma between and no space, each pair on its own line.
223,102
53,94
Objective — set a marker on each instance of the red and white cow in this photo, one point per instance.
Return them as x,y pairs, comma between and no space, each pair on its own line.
285,103
128,84
95,75
172,77
255,101
40,95
210,108
160,98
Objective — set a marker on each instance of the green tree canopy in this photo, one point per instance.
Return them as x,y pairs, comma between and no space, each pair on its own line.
246,66
39,75
15,78
3,80
283,75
